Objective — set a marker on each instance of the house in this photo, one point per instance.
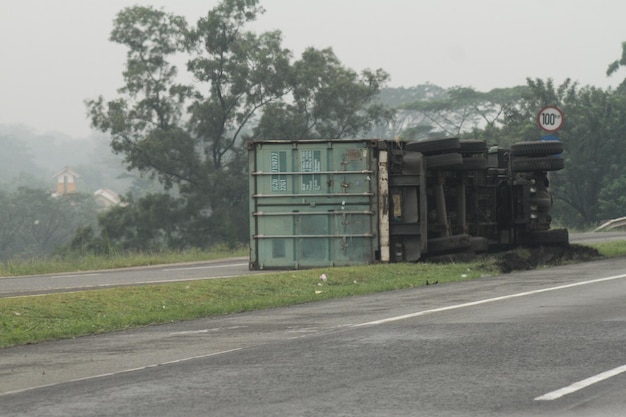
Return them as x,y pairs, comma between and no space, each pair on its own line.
106,198
66,181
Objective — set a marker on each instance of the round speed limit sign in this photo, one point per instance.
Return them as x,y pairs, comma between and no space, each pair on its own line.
550,118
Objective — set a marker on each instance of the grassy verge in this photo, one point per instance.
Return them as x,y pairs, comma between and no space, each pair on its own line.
610,249
66,315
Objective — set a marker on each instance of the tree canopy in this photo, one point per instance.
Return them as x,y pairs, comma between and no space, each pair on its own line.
190,136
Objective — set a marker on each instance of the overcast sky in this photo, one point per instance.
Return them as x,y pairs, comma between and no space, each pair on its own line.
54,54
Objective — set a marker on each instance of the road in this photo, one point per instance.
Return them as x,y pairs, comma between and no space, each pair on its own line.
42,284
548,342
89,280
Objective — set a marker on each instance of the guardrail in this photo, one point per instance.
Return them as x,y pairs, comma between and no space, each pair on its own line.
612,224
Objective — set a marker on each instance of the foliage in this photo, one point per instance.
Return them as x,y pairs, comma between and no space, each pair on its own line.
615,66
593,134
34,223
459,111
191,136
329,101
591,187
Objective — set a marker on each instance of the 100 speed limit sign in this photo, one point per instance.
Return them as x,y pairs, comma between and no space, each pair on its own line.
550,118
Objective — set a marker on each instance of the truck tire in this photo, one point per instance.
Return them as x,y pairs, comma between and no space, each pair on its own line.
434,146
447,244
537,164
471,164
469,146
444,160
545,148
547,237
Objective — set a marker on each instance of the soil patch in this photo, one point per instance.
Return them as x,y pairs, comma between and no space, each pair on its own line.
527,258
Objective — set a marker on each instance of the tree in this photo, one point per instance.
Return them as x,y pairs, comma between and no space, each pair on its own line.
11,221
615,66
462,110
16,162
406,124
181,134
190,137
146,120
593,135
33,223
242,72
151,223
328,101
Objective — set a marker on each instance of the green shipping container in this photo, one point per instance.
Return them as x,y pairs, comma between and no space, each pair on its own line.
313,203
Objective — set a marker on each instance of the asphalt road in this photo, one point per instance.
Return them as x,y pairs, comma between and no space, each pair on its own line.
90,280
548,342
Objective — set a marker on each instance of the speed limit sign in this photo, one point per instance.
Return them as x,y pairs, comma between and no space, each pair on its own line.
550,118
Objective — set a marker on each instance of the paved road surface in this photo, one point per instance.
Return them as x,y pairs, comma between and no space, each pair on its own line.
41,284
536,343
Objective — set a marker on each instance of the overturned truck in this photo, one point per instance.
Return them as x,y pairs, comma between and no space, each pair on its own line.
349,202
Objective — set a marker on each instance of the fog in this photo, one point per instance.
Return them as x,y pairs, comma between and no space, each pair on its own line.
56,54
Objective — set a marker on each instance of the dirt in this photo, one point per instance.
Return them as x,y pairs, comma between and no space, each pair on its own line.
528,258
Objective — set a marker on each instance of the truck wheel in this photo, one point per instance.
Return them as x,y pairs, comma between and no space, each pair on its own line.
547,237
469,146
546,148
433,146
537,164
444,160
471,164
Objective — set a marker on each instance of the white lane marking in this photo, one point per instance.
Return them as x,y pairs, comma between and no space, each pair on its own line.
73,275
216,329
125,371
581,384
488,300
203,267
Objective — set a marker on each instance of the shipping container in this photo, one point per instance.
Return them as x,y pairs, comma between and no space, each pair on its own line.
313,203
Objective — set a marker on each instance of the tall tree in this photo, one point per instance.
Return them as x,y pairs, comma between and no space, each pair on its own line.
239,73
327,101
183,134
146,121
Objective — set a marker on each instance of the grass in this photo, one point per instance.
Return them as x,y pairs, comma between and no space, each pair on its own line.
610,249
36,319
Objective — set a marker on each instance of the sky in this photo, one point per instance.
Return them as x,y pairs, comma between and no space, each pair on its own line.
55,54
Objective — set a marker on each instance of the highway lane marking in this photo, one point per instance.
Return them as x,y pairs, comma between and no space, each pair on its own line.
577,386
124,371
72,276
204,267
486,301
25,277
